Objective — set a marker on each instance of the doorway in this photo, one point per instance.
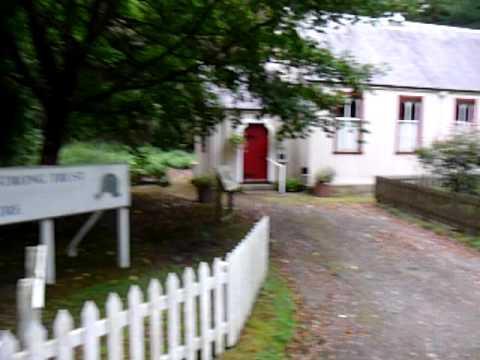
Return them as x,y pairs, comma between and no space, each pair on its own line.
255,153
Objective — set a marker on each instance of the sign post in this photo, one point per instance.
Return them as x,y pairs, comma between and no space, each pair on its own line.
47,238
31,290
123,235
46,192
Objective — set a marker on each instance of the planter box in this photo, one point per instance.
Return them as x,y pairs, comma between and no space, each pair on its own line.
205,194
323,190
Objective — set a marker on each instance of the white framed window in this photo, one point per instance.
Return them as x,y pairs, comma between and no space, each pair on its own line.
348,134
408,126
464,111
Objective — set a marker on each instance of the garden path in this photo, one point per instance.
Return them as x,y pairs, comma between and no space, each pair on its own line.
374,286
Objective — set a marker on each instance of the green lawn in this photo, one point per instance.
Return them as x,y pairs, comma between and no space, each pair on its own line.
309,199
271,326
167,234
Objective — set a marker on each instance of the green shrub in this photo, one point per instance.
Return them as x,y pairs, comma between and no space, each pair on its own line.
456,161
325,175
236,140
143,161
294,185
95,153
177,159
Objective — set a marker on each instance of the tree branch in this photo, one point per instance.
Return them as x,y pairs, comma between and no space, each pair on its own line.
102,12
22,68
200,20
213,59
40,42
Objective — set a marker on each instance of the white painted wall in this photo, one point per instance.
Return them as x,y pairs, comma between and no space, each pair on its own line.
218,150
380,108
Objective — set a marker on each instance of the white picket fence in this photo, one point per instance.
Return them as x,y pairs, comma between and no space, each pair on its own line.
202,317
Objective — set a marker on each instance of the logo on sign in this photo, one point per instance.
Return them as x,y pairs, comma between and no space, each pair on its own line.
109,185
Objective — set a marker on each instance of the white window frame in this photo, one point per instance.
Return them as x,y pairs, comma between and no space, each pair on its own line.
412,115
349,121
465,119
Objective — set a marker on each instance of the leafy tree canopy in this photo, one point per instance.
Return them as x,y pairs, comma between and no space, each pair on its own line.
136,69
464,13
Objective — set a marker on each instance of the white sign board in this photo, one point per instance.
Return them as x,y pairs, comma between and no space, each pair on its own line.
51,191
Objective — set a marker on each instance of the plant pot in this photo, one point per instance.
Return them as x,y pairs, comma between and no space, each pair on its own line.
205,194
323,190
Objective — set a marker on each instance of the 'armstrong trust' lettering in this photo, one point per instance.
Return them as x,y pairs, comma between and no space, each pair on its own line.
40,179
9,210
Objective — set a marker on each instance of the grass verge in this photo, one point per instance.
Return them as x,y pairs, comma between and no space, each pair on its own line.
308,199
435,226
272,324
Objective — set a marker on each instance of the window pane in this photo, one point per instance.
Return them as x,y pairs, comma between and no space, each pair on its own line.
348,136
465,111
462,112
410,110
407,137
417,109
349,109
470,111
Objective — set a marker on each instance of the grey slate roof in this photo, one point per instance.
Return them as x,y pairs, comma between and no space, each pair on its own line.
412,54
409,54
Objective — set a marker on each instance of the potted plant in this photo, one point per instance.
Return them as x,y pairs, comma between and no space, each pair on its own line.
323,178
205,185
294,185
236,140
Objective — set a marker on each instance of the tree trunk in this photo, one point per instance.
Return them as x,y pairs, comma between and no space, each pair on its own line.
53,132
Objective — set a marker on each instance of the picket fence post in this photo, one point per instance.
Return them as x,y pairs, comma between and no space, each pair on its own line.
205,317
155,313
173,316
135,323
91,342
231,308
115,331
8,345
62,326
218,306
190,313
35,337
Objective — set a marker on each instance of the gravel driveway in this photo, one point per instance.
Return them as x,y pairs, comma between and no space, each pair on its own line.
376,287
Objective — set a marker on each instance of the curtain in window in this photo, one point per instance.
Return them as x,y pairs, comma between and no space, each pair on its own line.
464,112
407,135
348,129
348,136
408,125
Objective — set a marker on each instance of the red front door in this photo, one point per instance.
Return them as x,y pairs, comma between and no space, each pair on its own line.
255,155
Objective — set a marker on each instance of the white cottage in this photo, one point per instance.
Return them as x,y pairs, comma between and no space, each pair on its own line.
429,89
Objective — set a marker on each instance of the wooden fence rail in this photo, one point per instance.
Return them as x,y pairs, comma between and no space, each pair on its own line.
200,315
421,196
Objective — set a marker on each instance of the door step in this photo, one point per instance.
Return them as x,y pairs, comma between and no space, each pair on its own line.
257,186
